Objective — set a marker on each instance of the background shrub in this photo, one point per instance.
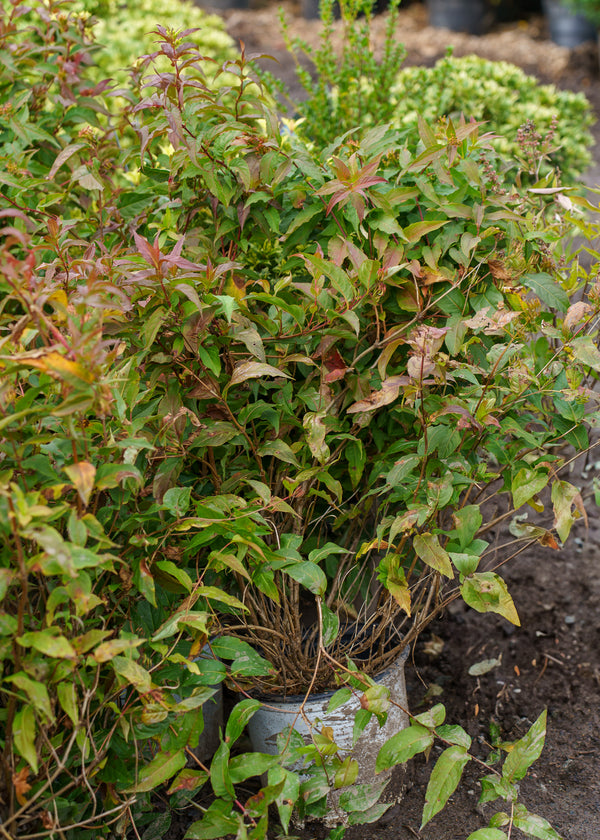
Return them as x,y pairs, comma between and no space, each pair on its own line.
506,98
124,33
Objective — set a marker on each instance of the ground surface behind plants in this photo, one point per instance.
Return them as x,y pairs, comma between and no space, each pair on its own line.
553,661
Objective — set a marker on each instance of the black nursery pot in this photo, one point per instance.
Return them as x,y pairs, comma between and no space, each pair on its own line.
458,15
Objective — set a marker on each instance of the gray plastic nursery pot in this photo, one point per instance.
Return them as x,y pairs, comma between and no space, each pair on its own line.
458,15
567,29
276,715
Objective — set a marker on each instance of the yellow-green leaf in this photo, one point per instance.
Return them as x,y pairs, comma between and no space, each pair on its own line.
67,698
48,643
444,780
427,547
487,592
135,675
108,650
36,692
23,732
159,771
82,474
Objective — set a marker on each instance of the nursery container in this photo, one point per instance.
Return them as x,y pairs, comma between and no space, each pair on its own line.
458,15
276,715
567,29
220,5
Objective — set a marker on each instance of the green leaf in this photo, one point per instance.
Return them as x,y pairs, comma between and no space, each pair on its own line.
23,732
487,592
362,797
467,521
331,626
371,815
466,564
346,774
246,661
197,620
289,792
177,500
178,574
239,717
432,717
418,230
361,719
534,826
67,697
525,751
219,772
217,822
36,692
339,279
326,551
402,746
162,767
495,787
7,577
427,547
341,696
564,495
246,765
487,834
444,780
188,779
357,458
279,449
135,675
159,827
213,593
586,352
454,734
309,575
316,430
48,643
526,484
547,290
401,469
376,699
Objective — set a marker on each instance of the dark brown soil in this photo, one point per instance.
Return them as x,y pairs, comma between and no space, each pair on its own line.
553,660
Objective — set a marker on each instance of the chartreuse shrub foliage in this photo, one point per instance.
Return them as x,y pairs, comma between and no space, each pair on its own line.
505,98
243,380
124,31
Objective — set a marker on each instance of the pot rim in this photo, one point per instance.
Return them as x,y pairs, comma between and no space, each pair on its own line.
294,699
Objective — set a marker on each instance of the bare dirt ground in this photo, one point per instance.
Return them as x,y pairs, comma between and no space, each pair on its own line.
553,660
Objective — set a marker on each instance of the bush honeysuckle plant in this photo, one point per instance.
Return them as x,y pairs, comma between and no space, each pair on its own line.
252,394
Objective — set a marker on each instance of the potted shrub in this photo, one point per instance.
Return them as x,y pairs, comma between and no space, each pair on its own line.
353,370
253,393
